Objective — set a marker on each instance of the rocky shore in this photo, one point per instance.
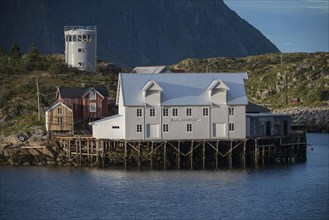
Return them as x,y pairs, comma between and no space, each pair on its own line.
311,119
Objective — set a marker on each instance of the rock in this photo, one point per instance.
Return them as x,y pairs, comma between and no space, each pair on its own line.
12,139
26,164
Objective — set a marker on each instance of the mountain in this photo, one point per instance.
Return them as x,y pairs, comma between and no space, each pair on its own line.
134,33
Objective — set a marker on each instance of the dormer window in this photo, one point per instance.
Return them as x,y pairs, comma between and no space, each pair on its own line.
217,91
92,95
152,93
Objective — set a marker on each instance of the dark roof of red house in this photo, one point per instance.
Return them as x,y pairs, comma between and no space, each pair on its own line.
77,92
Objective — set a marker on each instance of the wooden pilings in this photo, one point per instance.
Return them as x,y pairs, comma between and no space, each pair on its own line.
177,154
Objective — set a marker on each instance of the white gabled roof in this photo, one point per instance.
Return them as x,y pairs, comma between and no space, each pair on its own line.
183,89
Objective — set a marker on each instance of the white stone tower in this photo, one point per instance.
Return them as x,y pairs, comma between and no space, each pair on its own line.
81,47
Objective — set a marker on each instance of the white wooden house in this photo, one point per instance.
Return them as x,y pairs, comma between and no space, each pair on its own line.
168,106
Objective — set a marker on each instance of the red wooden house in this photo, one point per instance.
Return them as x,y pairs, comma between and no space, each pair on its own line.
87,104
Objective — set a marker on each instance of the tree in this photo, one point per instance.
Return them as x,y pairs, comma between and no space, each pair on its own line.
15,52
34,52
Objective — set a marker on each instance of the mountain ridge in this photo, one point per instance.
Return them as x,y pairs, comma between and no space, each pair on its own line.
132,33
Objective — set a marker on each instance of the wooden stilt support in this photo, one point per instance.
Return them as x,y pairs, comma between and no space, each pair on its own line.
97,153
263,155
165,156
204,155
104,149
244,154
151,156
178,155
139,155
80,153
216,154
230,155
126,155
256,153
191,156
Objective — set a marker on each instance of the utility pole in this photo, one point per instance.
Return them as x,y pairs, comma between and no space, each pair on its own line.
285,83
38,96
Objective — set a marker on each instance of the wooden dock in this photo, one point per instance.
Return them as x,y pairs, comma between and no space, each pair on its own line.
184,154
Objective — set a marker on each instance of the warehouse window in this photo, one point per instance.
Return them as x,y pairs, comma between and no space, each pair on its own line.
231,127
189,127
188,112
139,112
175,112
165,127
152,112
165,112
139,128
231,111
205,111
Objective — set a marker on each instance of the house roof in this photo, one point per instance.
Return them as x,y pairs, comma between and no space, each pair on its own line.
104,119
78,92
254,108
56,104
150,69
183,89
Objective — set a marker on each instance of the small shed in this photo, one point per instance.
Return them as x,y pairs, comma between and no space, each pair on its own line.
59,119
267,124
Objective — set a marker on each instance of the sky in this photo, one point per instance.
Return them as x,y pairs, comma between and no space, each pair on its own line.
292,25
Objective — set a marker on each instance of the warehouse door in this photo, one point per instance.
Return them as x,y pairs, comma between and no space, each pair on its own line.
219,130
153,131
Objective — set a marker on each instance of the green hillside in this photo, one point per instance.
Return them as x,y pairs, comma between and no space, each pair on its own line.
308,79
307,76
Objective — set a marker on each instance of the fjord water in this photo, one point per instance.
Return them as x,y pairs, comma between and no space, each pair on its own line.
290,191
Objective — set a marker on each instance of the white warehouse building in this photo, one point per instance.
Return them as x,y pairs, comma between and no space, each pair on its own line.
168,106
81,47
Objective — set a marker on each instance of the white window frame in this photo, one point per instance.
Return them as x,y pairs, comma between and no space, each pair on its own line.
92,107
81,64
152,112
59,111
81,50
92,95
189,112
205,111
60,121
231,127
139,112
189,127
165,128
175,112
231,111
165,112
139,128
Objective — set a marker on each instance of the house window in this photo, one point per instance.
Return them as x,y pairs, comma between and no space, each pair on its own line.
175,112
139,128
92,95
152,112
188,112
59,121
231,127
231,111
165,112
165,127
59,111
92,107
139,112
205,111
115,127
81,50
189,127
